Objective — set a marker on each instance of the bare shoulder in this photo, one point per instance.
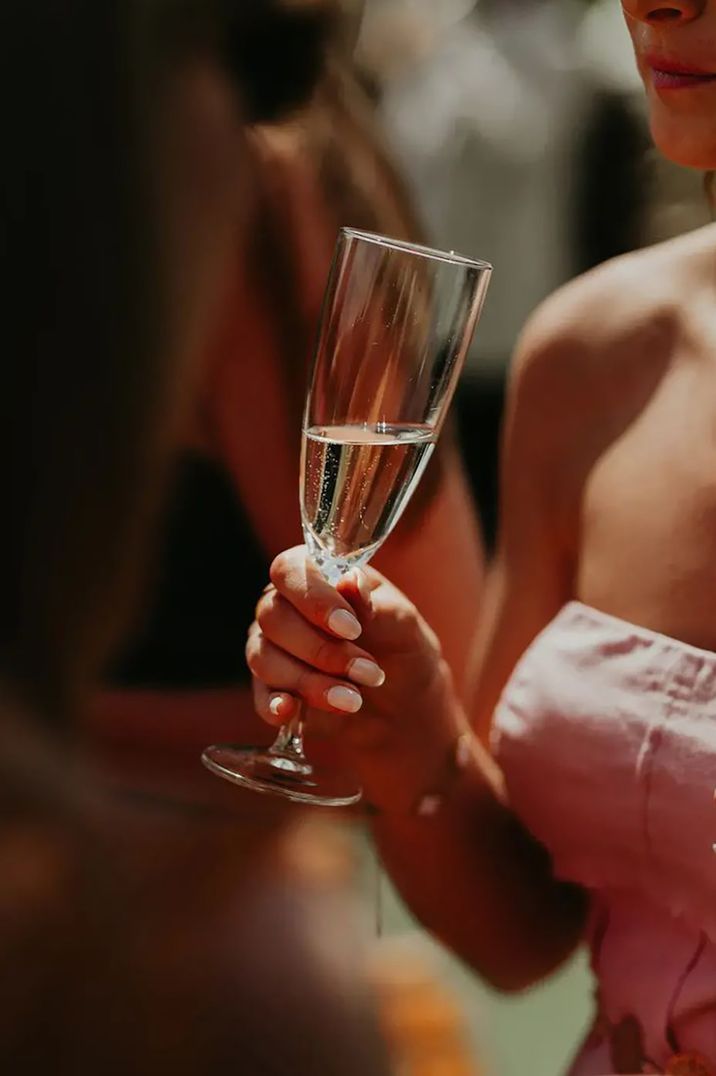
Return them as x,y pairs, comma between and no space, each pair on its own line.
607,333
597,319
586,365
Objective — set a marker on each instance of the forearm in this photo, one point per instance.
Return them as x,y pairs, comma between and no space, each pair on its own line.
476,878
471,872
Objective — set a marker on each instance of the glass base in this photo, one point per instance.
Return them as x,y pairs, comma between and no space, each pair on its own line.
284,774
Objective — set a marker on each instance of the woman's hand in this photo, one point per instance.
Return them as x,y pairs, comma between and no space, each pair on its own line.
362,654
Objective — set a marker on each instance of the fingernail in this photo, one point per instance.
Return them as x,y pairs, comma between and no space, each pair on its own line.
345,699
279,705
344,624
366,672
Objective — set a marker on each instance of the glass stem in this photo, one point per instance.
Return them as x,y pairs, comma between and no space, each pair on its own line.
290,739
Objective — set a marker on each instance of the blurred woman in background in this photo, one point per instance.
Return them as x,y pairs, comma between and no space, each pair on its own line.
182,683
598,652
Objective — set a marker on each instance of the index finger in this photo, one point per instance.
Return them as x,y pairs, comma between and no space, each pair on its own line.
299,581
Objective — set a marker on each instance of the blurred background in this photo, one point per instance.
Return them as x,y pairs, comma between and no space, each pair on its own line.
519,126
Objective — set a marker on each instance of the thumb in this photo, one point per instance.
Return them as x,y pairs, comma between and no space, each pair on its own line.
357,588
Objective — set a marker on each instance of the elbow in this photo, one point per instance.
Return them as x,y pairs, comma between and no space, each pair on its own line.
512,978
519,971
513,981
531,957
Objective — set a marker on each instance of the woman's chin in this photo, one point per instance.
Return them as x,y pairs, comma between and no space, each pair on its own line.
684,148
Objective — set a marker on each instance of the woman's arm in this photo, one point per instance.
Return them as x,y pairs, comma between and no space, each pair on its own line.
477,880
471,873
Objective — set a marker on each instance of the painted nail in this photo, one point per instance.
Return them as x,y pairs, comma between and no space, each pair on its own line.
344,624
366,672
279,703
345,699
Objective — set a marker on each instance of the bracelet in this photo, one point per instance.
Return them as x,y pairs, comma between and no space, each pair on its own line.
431,802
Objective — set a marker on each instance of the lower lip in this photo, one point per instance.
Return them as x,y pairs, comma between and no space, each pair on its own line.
672,80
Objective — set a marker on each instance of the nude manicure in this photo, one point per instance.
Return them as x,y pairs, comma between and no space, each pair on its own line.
366,672
345,699
344,624
275,705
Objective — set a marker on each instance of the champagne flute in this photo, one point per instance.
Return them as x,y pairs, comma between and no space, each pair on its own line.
397,323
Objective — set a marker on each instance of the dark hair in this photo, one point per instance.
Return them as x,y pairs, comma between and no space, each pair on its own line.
360,186
85,370
357,184
276,53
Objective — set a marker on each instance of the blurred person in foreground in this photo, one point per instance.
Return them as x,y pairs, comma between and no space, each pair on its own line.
317,162
127,944
594,818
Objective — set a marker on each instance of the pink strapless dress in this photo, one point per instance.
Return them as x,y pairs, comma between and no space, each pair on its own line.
607,737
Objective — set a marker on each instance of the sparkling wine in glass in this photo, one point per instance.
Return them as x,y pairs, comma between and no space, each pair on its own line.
397,323
355,481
